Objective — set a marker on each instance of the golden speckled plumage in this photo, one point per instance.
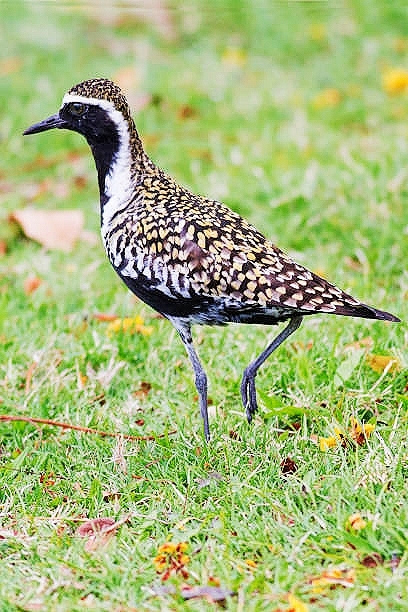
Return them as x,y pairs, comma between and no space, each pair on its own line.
209,250
191,258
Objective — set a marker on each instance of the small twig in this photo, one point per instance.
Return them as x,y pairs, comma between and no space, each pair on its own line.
10,417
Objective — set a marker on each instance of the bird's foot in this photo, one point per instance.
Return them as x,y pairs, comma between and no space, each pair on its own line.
248,394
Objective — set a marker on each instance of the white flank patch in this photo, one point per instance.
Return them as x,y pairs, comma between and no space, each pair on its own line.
119,186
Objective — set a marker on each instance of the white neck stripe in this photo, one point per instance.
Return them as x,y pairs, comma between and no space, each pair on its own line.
118,186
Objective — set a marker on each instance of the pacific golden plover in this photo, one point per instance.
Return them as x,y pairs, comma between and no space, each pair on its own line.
190,258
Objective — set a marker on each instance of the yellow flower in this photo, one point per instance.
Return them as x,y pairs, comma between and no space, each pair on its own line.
160,563
327,98
296,605
355,522
380,363
360,433
233,56
130,325
168,548
251,563
326,443
317,31
171,558
395,80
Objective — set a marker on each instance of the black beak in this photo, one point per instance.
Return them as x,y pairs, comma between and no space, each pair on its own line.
52,122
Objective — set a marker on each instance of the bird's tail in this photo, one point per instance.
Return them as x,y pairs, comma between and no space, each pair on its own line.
366,312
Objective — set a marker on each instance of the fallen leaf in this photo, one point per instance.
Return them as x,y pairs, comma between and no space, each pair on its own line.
372,560
355,522
143,390
384,363
360,433
333,578
296,605
234,435
31,283
364,343
99,531
353,263
8,65
288,466
104,316
53,229
186,112
94,526
211,593
299,346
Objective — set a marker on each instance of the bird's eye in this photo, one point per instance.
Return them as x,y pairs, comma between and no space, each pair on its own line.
76,109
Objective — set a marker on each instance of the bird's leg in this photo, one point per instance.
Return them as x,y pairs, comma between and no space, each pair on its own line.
248,389
184,330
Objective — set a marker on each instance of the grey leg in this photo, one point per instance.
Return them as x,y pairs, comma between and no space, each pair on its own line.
184,329
248,389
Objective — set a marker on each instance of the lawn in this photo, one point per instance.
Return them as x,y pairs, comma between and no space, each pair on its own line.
295,115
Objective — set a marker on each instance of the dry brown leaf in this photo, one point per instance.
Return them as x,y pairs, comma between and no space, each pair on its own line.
288,466
8,65
210,593
54,229
364,343
380,363
186,111
332,578
31,283
104,316
143,390
373,560
99,531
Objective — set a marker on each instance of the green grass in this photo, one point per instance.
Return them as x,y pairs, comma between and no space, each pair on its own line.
329,185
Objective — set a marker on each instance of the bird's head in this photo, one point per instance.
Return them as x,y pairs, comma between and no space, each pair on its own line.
96,108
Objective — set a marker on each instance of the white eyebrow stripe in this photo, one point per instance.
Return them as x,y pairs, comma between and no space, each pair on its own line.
105,104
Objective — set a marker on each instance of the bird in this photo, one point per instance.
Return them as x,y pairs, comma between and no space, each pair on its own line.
189,257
